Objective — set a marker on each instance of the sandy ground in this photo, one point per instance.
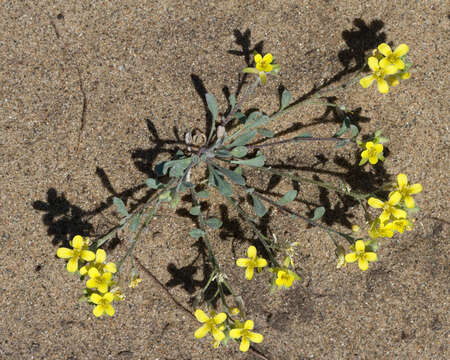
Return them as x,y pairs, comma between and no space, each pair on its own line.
126,75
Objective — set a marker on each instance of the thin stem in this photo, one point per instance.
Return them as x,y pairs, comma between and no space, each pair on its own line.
239,104
298,139
356,195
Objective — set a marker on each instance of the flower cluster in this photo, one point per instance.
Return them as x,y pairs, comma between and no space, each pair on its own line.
223,328
263,66
388,67
99,286
373,150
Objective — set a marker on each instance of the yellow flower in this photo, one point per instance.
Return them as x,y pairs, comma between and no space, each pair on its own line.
263,63
388,207
378,74
79,250
399,225
246,335
134,281
103,304
394,80
340,253
373,153
361,255
406,190
284,278
393,57
380,231
235,311
100,258
251,262
210,324
98,281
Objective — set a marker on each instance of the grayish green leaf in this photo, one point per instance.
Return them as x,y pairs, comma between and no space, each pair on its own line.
285,99
239,151
203,194
196,233
318,213
266,133
288,197
257,161
152,183
354,130
233,176
134,222
212,105
224,186
213,223
259,207
120,206
195,210
244,139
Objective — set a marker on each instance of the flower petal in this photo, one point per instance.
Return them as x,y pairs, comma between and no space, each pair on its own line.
100,256
249,272
243,262
109,310
258,58
268,58
383,86
399,64
95,298
260,262
395,198
373,64
255,337
109,297
402,180
375,203
103,288
359,246
409,202
64,253
371,256
93,272
367,81
217,334
235,333
220,318
98,310
245,344
390,70
379,148
401,50
87,255
385,49
351,258
248,325
415,189
91,284
251,252
363,264
202,331
399,213
111,267
201,316
384,63
373,160
72,265
77,242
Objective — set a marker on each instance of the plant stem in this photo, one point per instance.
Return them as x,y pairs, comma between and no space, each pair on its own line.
239,104
356,195
298,139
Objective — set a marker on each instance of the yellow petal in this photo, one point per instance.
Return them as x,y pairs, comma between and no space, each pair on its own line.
395,198
103,288
95,298
235,333
220,318
409,202
390,70
87,255
268,58
201,316
367,81
260,262
385,49
402,180
258,58
77,242
251,252
91,284
279,282
373,64
350,258
93,272
217,334
384,216
111,267
255,337
107,276
399,64
109,297
242,262
249,272
401,50
359,246
415,189
363,264
399,213
379,148
371,256
369,145
201,331
64,253
72,265
98,310
83,270
248,325
384,63
383,86
405,76
375,203
109,310
373,160
100,256
245,344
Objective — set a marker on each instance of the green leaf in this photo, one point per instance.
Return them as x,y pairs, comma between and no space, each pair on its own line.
354,130
266,133
252,117
212,105
288,197
232,100
214,223
211,177
134,222
224,187
239,151
244,139
318,213
285,99
341,143
240,116
233,176
238,170
152,183
195,210
259,121
223,153
203,194
196,233
259,207
121,208
257,161
302,136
